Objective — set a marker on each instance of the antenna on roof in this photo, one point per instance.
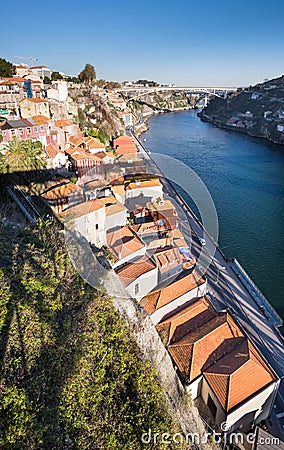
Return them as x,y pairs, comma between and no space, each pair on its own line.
30,58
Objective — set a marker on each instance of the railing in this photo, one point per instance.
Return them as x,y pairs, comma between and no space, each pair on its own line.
24,203
258,296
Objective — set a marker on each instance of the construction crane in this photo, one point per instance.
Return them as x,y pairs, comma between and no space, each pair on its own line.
30,58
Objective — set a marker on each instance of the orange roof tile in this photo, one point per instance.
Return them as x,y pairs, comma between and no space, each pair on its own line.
75,140
40,119
82,209
131,271
123,242
179,287
52,151
167,259
64,123
60,191
132,185
35,100
238,374
200,337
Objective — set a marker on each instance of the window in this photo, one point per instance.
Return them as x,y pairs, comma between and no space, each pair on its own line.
97,226
136,289
29,130
13,132
21,131
41,128
3,133
35,129
211,405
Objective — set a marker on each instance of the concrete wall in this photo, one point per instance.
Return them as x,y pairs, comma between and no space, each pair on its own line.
199,291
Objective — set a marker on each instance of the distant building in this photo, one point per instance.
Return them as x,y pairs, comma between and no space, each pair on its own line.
41,71
34,107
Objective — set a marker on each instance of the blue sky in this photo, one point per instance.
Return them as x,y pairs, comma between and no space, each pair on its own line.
193,42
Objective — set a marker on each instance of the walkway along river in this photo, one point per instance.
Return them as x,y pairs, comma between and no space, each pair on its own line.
245,178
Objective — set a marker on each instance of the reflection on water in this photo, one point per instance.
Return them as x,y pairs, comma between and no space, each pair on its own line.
245,179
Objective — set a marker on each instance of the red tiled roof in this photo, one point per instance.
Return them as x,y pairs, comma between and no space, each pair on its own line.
82,209
202,335
64,123
35,100
132,185
52,150
123,242
238,374
75,140
157,299
40,119
131,271
60,191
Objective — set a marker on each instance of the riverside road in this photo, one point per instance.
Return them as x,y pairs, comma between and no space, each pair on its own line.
228,292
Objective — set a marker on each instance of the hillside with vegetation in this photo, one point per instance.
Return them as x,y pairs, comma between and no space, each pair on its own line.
257,111
72,376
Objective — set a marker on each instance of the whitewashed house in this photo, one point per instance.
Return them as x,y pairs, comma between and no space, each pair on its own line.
88,218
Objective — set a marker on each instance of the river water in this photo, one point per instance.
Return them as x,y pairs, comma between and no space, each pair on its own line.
245,179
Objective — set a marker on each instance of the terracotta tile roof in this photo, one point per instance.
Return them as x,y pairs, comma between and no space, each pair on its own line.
78,154
128,157
38,67
202,335
112,205
238,374
75,140
40,119
123,140
168,325
96,184
60,191
13,79
179,287
82,209
101,155
149,227
64,123
118,189
136,268
52,151
93,143
132,185
167,259
160,243
123,242
35,100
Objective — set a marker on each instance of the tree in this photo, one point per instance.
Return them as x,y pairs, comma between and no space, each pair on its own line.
22,156
47,80
6,68
88,74
56,76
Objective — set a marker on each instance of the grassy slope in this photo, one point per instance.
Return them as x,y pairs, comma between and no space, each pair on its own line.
70,368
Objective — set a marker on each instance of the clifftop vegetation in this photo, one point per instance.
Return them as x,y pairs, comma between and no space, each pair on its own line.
257,110
71,376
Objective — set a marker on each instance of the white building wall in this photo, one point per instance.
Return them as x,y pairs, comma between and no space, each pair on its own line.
199,291
152,192
194,388
255,409
116,220
86,225
146,283
260,405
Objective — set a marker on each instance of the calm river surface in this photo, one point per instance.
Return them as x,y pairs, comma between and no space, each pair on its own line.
245,179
